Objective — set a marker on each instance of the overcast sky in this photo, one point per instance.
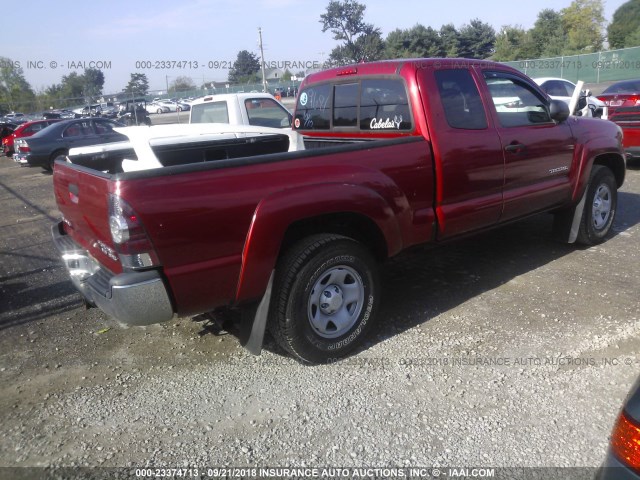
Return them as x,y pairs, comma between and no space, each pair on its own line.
52,39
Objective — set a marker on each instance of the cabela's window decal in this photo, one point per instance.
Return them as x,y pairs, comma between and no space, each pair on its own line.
388,123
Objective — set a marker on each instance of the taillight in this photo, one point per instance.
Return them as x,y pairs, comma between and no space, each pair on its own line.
625,441
131,241
23,147
633,100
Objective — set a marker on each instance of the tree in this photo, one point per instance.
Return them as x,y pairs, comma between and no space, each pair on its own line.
93,82
417,41
360,41
286,76
15,92
633,40
583,21
449,39
509,43
548,35
476,40
245,68
138,85
624,25
182,84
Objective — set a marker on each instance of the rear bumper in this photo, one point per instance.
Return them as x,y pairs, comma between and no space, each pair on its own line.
135,298
633,153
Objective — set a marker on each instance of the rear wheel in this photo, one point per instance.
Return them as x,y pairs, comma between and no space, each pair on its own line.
600,206
59,154
325,298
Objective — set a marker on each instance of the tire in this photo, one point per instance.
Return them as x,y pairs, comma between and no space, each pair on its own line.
310,317
600,206
54,156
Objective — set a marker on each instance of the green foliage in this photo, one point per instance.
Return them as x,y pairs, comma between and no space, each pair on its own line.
583,23
509,43
245,69
476,40
417,41
548,35
360,41
93,82
138,85
624,28
182,84
449,39
15,92
633,40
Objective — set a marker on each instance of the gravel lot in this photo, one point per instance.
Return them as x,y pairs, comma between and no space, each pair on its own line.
505,350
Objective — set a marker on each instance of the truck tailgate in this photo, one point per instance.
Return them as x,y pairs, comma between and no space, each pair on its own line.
82,195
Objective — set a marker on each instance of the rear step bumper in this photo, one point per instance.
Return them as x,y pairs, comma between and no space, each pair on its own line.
135,298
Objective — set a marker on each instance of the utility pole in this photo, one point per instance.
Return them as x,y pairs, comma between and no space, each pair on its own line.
264,79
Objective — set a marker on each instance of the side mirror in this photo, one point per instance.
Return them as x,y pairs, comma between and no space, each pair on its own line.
558,110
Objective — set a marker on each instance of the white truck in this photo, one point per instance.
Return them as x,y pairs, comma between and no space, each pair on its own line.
257,109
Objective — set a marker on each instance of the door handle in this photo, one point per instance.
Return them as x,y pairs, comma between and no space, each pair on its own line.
515,148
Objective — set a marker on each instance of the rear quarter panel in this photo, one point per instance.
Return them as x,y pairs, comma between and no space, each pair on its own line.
199,221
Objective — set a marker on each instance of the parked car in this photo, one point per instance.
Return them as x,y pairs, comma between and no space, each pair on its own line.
183,107
561,89
621,95
170,105
623,100
623,457
54,141
156,107
25,130
295,238
6,129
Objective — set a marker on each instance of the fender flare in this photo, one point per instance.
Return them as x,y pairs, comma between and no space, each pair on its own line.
275,213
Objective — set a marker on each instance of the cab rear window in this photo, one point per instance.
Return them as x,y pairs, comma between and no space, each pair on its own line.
370,104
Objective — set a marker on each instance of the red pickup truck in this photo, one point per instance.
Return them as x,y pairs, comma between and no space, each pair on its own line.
397,153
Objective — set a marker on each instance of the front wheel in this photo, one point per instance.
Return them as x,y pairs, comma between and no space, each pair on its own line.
600,206
325,299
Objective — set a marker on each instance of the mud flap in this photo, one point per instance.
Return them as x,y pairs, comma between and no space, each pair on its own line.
259,323
566,224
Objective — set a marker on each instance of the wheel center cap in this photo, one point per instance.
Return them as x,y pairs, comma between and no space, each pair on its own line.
331,300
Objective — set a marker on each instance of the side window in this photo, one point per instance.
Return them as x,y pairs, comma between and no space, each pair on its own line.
213,112
517,103
313,110
461,99
103,127
568,88
384,105
266,112
557,88
77,129
345,105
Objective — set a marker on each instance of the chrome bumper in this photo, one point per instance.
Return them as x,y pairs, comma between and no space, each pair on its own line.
133,298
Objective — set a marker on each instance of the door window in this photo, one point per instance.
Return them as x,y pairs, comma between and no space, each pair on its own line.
516,103
461,99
